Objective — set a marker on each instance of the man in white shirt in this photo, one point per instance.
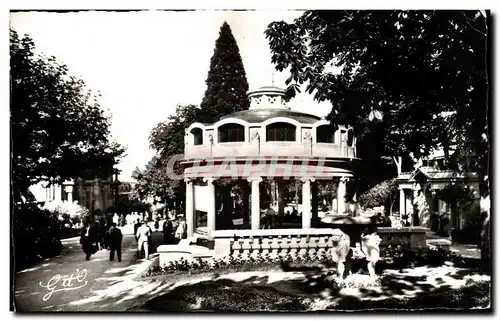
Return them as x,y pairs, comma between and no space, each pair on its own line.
143,235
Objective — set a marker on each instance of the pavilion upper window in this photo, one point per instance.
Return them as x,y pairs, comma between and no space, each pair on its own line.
325,134
280,132
197,136
231,133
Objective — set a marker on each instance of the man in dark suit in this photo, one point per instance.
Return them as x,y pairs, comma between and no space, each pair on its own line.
136,227
87,239
168,232
115,242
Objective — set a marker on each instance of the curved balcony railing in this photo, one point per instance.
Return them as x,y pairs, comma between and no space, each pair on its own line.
242,149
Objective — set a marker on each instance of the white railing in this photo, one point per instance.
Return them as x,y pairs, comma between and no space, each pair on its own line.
270,149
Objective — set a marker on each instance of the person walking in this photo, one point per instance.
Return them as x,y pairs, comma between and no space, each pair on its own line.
270,216
115,238
157,223
87,239
181,229
143,236
136,227
168,232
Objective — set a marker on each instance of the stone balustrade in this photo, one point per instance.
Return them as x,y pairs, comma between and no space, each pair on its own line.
300,241
275,242
283,242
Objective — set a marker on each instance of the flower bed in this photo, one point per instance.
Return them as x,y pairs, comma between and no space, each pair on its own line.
391,257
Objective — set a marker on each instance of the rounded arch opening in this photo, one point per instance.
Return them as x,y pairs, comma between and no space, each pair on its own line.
231,132
197,136
325,134
281,132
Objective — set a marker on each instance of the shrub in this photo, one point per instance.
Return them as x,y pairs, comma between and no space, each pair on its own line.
379,195
36,235
400,257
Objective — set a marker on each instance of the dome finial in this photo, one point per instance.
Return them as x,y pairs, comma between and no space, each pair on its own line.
273,78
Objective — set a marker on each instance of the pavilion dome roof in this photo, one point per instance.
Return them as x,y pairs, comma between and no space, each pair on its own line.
269,102
261,115
270,90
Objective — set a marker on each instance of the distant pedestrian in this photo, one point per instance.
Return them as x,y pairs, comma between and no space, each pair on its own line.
87,239
143,236
270,217
181,229
115,242
168,232
136,227
116,218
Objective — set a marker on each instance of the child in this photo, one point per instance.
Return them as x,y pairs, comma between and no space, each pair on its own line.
340,250
370,247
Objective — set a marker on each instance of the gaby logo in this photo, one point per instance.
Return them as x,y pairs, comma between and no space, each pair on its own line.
65,283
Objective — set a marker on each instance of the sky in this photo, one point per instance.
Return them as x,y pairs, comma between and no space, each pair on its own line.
146,63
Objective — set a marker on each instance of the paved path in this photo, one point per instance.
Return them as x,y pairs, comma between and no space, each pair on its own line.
33,286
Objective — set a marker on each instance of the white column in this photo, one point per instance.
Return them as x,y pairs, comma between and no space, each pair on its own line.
341,191
401,203
439,206
58,193
69,190
211,206
189,207
255,202
408,205
306,202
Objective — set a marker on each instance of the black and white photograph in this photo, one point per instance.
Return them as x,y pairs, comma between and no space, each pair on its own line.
225,161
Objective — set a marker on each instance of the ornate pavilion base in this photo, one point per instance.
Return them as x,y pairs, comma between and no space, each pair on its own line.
284,241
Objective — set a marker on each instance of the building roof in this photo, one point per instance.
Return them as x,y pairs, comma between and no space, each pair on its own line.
261,115
267,90
433,174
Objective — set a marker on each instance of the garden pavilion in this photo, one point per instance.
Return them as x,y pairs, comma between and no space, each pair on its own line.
267,141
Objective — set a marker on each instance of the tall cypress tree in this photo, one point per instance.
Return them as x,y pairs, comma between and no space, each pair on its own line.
226,82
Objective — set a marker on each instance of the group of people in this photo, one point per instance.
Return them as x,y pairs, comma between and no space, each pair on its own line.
99,235
96,237
134,216
273,219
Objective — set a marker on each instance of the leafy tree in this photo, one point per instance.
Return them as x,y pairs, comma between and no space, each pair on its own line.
58,130
382,194
422,73
167,139
227,85
226,93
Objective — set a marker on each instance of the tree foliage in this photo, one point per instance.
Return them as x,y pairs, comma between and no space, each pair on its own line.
58,130
226,93
379,195
227,85
406,69
403,69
